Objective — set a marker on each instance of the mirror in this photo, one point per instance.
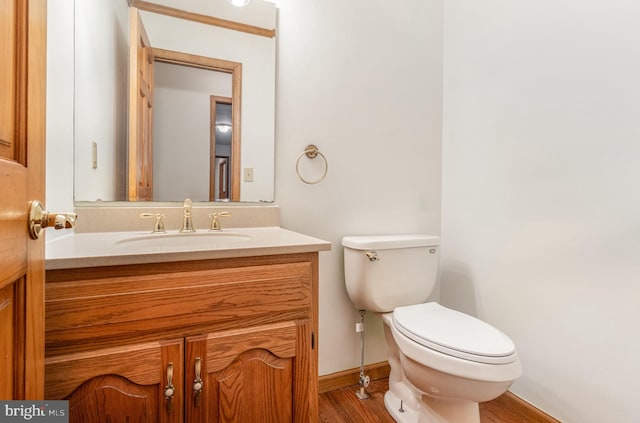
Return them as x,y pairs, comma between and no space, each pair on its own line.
191,155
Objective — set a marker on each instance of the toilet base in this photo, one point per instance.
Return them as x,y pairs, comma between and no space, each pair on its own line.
432,410
401,413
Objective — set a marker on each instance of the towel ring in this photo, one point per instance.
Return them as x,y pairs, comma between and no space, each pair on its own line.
312,152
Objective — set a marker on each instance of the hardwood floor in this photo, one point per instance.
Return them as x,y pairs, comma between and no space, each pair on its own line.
342,406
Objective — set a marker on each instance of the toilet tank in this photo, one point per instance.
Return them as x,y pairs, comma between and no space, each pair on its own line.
388,271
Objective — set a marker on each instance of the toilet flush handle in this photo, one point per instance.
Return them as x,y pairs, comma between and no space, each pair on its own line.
372,256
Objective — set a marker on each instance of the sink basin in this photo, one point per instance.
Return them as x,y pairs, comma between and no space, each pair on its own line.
186,240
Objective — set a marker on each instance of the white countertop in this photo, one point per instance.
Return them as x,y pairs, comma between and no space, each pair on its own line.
91,249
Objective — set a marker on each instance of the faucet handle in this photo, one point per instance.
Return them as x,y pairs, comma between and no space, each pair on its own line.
215,220
158,224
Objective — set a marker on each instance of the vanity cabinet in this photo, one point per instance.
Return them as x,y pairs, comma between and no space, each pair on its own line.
223,340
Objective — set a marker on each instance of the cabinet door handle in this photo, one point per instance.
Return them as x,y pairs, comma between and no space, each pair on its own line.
198,385
169,390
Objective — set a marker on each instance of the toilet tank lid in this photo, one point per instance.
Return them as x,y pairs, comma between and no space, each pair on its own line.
387,242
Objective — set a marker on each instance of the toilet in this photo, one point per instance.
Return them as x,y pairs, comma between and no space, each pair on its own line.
443,362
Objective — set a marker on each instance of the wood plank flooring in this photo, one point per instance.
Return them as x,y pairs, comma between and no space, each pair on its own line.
342,406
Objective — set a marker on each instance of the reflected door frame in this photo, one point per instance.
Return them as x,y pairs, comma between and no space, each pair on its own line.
140,148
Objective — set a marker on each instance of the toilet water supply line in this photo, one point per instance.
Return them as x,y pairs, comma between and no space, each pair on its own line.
364,380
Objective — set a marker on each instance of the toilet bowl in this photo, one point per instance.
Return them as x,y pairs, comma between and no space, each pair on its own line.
449,368
443,362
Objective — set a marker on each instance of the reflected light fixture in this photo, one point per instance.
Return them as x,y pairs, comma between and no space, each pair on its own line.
223,127
239,3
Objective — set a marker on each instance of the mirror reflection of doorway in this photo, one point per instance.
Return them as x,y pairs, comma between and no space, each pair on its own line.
221,148
222,184
184,126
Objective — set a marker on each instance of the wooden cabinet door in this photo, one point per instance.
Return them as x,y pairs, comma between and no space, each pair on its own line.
22,140
257,374
123,384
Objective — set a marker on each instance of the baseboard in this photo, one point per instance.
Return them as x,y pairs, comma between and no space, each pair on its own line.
523,409
509,401
351,377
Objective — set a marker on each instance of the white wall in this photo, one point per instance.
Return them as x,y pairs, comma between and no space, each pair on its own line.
59,154
362,81
541,213
101,72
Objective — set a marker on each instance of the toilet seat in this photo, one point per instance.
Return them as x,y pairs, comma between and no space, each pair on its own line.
454,333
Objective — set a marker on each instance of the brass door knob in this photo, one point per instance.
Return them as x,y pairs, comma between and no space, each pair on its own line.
39,219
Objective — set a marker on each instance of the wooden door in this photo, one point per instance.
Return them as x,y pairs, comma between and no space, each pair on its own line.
22,142
122,384
141,78
257,374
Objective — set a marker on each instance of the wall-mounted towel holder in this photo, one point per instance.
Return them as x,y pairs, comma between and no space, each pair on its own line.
311,151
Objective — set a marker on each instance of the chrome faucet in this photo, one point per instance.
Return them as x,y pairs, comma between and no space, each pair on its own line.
187,222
